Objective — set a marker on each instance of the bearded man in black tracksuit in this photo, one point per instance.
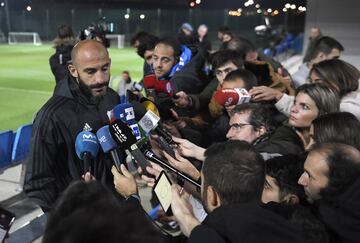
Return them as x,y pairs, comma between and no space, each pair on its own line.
80,102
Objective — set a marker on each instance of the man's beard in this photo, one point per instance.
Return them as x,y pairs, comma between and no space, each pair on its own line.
87,90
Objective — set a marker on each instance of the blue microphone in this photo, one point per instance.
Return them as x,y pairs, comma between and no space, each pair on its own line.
87,147
108,144
125,113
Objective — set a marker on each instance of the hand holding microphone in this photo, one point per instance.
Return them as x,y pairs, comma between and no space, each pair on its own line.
228,97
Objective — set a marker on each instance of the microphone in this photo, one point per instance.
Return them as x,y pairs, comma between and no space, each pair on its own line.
150,155
149,81
164,86
124,112
87,147
227,97
122,134
108,144
149,120
160,86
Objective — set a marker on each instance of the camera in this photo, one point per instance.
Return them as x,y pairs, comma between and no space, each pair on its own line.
97,31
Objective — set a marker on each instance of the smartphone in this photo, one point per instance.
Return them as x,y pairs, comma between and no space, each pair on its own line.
6,220
162,190
164,145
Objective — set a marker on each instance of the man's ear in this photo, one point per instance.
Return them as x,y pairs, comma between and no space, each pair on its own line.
291,199
73,71
320,56
251,56
213,198
261,131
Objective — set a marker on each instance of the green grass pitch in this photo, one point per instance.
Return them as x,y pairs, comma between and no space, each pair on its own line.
26,81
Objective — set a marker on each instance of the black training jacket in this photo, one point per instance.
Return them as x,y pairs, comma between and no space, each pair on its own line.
53,163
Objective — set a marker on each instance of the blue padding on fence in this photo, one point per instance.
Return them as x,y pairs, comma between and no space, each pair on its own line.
6,141
21,143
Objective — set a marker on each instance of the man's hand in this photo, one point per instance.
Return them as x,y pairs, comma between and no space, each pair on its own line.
88,177
188,149
124,182
183,165
182,210
183,100
264,93
154,170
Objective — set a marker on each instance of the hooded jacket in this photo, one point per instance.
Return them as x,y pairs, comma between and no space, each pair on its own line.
341,216
53,163
245,222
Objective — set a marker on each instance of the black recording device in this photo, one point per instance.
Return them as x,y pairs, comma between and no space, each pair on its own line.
164,145
124,137
150,155
6,220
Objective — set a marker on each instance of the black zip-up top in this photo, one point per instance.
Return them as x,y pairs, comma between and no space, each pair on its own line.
53,163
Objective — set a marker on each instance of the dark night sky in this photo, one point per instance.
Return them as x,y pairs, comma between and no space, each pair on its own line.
18,4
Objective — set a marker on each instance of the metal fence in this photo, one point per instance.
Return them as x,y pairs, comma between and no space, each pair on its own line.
126,21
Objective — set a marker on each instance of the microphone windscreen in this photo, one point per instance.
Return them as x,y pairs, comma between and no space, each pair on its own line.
122,134
149,121
124,112
139,110
236,96
86,142
164,86
107,143
149,81
150,105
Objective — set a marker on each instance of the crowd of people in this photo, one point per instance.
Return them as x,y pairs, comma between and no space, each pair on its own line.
276,155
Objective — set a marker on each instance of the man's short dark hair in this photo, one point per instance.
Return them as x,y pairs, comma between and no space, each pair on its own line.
248,77
259,115
241,45
89,212
343,167
286,170
147,45
222,57
337,127
235,171
173,42
325,45
140,36
223,29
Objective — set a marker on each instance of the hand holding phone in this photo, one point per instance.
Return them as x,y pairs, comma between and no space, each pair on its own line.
162,191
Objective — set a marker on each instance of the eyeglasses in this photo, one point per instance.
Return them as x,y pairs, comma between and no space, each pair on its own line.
238,126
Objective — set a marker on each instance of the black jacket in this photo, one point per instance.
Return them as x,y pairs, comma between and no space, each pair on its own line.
283,141
59,61
341,216
245,222
53,163
191,78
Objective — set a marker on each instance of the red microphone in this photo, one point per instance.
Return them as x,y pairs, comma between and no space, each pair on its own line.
164,86
149,81
227,97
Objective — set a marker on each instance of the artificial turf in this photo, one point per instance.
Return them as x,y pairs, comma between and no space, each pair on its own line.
26,81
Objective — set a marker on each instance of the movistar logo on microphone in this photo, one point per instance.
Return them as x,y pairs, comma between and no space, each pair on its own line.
119,134
89,138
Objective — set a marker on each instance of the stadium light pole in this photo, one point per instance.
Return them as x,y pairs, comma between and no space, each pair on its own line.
7,16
